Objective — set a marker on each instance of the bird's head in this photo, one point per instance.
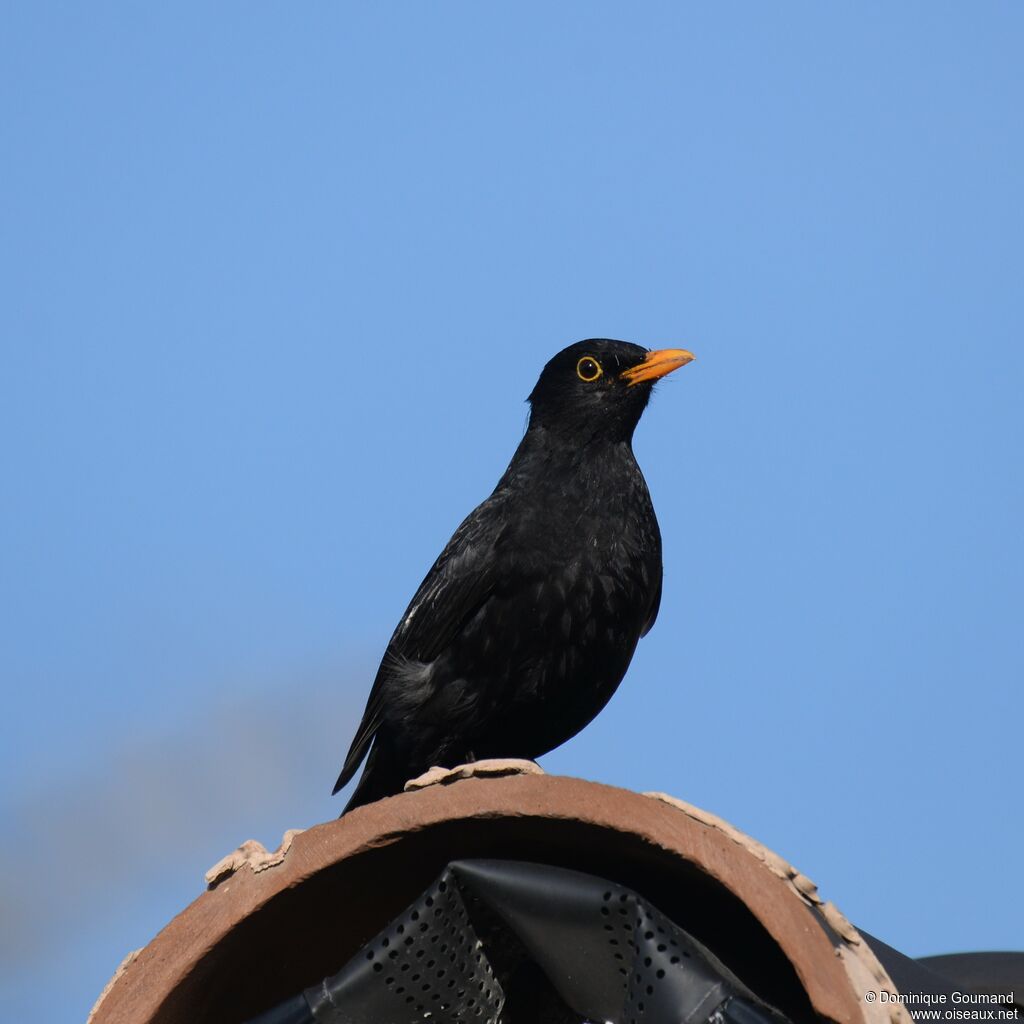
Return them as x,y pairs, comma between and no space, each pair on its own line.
599,387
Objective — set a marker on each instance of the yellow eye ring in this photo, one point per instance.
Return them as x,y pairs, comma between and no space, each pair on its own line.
588,369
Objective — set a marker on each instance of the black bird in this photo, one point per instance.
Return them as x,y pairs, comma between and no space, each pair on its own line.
527,622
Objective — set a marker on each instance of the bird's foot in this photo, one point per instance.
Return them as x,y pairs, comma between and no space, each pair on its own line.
488,768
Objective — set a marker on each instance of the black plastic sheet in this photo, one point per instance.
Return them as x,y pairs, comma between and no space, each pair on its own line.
502,941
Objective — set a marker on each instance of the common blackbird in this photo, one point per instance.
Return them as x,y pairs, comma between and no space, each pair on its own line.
527,621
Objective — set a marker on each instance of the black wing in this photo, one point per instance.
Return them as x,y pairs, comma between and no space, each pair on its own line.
652,615
459,582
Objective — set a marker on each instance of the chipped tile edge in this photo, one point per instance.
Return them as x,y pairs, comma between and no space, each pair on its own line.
495,767
862,967
121,968
252,854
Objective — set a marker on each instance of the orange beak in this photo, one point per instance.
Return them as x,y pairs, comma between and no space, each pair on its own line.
657,364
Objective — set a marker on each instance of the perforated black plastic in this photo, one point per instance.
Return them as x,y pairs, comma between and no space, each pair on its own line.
608,953
427,965
567,947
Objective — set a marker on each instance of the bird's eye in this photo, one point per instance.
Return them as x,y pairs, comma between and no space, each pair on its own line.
588,369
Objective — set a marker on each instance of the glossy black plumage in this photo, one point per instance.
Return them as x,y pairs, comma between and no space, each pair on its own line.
527,621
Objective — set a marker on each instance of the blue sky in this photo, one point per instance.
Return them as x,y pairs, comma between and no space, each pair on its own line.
276,283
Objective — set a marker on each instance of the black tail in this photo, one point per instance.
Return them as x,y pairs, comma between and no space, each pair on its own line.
384,775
